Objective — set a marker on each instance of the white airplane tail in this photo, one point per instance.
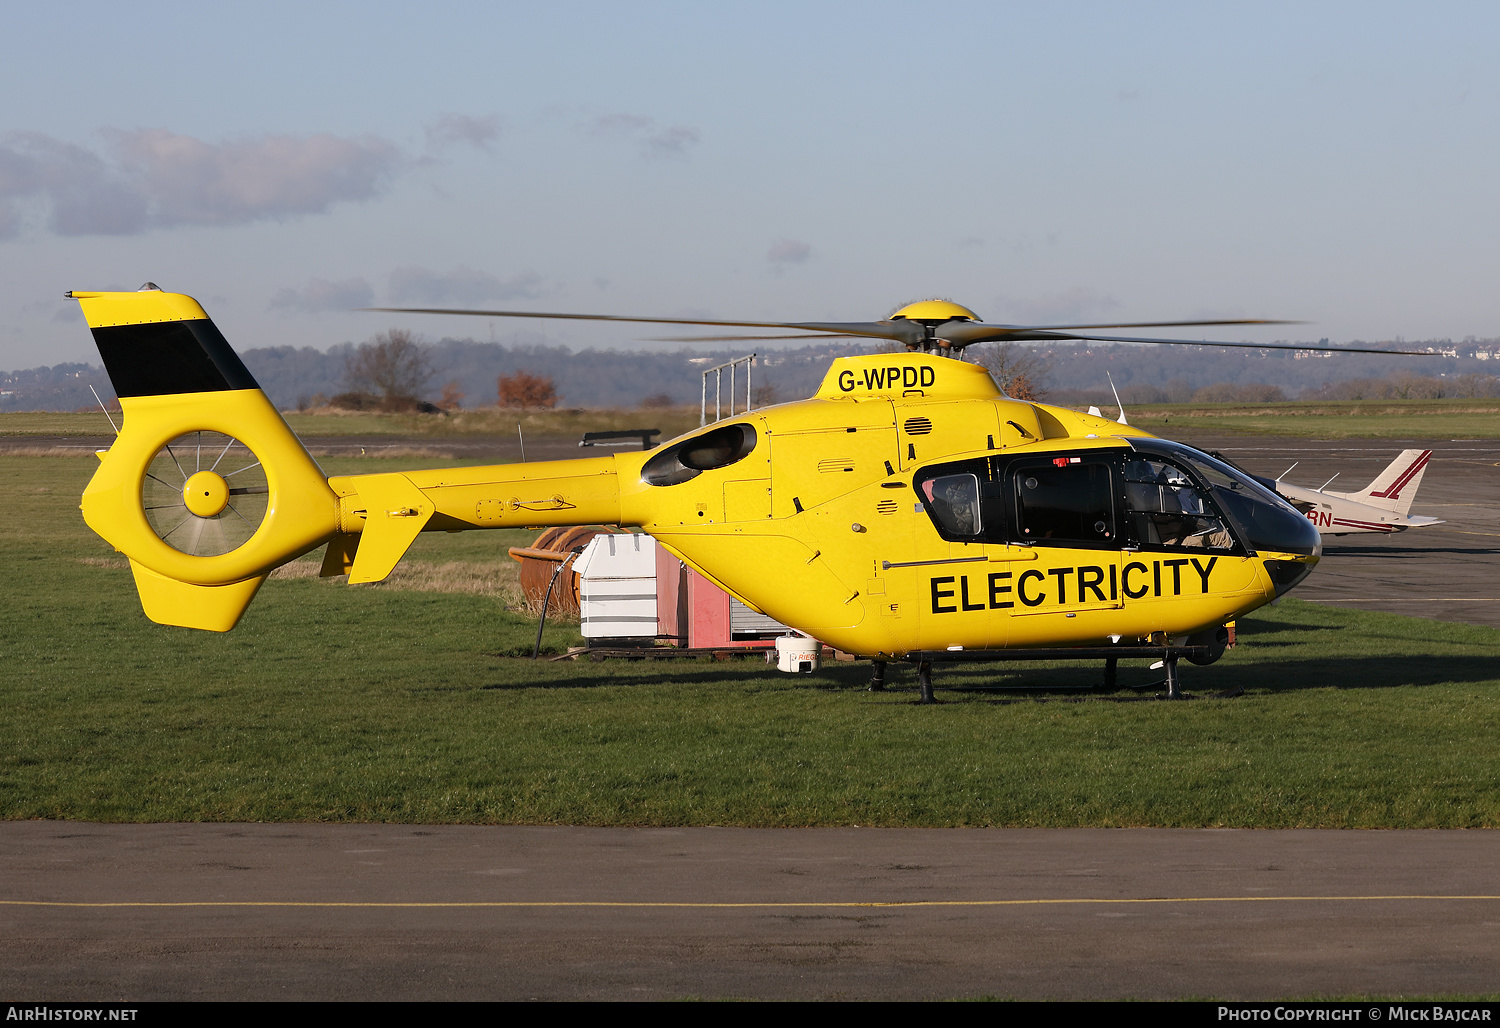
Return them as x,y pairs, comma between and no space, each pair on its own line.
1396,486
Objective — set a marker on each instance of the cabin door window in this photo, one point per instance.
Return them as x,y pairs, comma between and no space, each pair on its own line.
1068,500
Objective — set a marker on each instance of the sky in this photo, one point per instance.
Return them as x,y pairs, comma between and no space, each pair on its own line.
1326,162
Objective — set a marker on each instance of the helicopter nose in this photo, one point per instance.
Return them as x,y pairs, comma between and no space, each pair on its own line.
1285,574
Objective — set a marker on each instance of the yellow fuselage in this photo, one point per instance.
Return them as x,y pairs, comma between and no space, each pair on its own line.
820,527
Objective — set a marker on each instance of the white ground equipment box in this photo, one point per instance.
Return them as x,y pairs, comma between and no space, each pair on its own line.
629,588
617,587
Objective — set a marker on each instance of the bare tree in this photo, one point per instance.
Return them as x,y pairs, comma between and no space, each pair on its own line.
1018,370
393,365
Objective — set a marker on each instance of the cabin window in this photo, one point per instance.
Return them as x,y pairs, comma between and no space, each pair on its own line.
954,503
1068,499
965,500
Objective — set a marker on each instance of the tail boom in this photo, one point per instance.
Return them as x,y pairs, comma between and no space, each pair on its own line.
379,516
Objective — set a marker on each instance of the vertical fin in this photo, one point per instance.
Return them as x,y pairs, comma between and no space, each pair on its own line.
1396,486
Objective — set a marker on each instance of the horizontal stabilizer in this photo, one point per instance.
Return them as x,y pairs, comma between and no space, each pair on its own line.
395,511
339,557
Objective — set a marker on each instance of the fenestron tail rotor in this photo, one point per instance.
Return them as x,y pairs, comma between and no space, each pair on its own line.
205,493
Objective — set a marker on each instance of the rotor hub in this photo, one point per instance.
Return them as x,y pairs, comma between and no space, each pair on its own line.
206,494
934,312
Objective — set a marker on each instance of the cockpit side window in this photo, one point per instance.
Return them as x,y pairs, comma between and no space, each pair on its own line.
1165,507
710,451
1260,520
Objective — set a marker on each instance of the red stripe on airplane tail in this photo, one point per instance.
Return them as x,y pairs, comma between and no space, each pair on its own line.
1394,492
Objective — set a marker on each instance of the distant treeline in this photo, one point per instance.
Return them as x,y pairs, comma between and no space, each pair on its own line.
1074,374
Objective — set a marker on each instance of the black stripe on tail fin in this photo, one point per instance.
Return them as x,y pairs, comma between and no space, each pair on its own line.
168,357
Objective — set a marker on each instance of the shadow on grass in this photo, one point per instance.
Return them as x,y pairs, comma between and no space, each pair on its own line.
1264,626
1270,676
1273,676
1334,551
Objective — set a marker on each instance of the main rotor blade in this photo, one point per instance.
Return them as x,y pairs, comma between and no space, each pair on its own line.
958,334
1167,324
1034,336
726,339
901,331
965,333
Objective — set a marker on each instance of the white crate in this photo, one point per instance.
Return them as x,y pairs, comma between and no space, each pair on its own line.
617,587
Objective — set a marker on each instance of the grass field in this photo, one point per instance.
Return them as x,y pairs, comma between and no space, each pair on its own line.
1352,419
389,703
1366,419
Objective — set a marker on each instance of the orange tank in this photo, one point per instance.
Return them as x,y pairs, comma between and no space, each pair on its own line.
540,560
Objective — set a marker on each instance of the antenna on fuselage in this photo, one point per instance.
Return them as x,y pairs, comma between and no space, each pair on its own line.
1121,418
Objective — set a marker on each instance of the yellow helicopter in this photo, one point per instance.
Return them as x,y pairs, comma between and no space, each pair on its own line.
907,511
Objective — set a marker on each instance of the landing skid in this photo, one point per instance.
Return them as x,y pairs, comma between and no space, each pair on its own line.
1111,655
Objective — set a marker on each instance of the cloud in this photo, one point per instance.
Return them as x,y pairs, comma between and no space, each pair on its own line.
322,295
653,139
83,193
453,129
788,251
153,178
670,142
461,286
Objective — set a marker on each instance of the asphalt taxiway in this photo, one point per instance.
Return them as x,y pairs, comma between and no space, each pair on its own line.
1448,572
385,912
